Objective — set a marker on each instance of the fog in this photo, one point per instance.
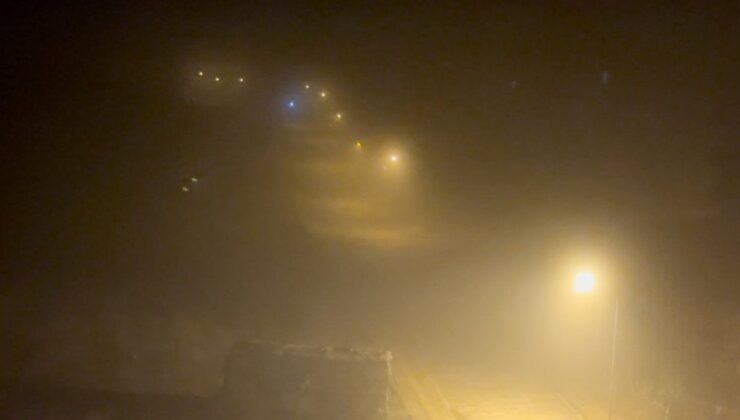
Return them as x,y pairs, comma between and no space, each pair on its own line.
154,216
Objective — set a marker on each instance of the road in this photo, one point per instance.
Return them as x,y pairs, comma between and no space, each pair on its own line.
484,400
516,407
464,397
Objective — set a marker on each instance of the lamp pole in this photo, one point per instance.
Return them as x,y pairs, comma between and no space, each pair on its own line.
584,282
614,356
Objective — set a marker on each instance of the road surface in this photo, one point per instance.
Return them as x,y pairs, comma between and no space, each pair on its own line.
482,400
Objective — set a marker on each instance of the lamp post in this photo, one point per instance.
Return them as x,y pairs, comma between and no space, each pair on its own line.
614,356
584,282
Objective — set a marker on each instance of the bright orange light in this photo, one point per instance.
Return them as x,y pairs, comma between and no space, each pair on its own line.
584,282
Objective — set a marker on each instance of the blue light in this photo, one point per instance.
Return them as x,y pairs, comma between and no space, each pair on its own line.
291,104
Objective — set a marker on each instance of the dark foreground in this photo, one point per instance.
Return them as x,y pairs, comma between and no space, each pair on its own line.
62,403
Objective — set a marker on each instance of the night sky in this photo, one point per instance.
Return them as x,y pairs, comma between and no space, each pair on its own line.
528,135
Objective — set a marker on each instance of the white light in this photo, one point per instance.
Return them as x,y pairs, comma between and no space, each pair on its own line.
200,73
291,104
339,115
584,282
194,179
241,80
217,79
323,94
307,86
394,158
185,189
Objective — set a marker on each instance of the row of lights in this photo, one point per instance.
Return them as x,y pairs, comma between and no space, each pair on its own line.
322,94
358,146
217,78
393,158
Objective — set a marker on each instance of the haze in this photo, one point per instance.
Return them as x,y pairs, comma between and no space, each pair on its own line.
175,181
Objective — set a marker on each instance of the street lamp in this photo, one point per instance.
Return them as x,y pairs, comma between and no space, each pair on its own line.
584,282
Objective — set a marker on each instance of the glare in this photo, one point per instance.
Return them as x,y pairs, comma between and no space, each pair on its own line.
323,94
584,282
291,104
307,86
394,158
200,73
339,115
358,145
218,79
241,80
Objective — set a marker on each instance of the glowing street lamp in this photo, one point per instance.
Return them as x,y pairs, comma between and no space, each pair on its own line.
584,282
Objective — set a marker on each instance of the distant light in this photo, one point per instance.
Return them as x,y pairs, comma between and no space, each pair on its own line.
200,73
323,94
307,86
584,282
291,104
185,188
339,115
194,179
217,79
241,80
394,158
358,145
